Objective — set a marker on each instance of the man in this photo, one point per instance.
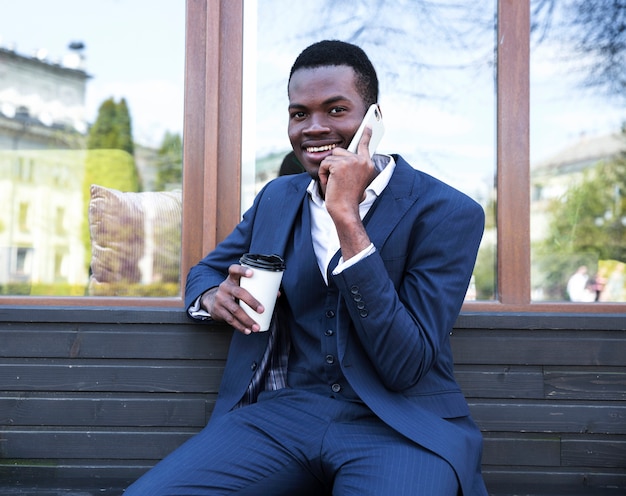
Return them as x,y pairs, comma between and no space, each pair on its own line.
351,392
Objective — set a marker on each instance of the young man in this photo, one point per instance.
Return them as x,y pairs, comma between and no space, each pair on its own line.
351,392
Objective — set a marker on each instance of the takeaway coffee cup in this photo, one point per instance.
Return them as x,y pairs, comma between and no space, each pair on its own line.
263,285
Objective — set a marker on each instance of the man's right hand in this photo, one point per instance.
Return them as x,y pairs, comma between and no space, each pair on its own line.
222,302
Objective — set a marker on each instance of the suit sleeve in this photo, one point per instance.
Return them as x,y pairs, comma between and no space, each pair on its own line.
213,268
404,301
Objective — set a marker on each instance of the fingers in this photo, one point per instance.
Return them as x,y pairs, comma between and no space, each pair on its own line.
363,149
223,304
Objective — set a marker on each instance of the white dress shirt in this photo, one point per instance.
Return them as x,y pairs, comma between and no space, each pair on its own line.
323,232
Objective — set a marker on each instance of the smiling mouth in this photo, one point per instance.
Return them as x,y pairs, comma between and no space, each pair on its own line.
316,149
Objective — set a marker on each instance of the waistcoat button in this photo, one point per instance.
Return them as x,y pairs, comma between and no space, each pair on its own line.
336,388
330,359
330,314
329,332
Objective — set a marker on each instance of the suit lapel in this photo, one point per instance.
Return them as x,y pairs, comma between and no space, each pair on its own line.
394,202
271,236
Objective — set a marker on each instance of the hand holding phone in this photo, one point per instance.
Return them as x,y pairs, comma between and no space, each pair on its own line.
374,120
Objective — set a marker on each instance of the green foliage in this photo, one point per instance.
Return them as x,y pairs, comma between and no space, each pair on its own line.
103,133
111,168
109,161
124,128
112,129
586,226
29,289
588,218
169,162
158,289
485,273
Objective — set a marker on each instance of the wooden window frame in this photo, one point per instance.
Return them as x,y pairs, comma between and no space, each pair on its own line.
212,156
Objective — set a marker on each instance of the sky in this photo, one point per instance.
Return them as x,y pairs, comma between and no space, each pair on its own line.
442,120
133,49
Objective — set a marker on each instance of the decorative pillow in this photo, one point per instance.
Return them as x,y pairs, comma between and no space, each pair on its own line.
135,239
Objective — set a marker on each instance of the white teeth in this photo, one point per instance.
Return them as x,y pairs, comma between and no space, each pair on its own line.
325,148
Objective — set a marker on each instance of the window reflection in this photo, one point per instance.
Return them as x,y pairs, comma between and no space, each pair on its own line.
578,153
435,65
102,108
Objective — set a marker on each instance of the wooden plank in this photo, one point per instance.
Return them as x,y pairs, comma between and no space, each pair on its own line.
493,381
553,481
542,321
550,417
139,410
111,375
534,347
112,313
113,341
97,444
586,383
532,450
595,452
86,488
468,322
75,473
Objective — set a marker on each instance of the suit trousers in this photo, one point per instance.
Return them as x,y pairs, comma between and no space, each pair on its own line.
293,442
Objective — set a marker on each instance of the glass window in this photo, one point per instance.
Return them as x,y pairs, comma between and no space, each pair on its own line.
436,70
91,93
578,152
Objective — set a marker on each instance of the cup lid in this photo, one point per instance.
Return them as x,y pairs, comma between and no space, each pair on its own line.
266,262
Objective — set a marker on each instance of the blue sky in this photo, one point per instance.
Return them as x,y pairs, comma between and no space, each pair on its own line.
448,130
133,48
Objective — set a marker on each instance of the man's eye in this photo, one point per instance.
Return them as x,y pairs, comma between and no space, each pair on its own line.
337,110
297,115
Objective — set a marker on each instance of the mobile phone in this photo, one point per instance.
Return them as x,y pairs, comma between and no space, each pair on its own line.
373,119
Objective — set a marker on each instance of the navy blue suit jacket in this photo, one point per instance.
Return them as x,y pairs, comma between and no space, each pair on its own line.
394,349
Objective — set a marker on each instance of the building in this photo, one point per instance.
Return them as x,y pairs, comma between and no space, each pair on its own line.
42,132
551,179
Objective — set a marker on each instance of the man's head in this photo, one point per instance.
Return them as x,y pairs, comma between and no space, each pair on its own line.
335,53
331,86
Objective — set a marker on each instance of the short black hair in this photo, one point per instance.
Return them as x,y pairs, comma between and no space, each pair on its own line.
335,52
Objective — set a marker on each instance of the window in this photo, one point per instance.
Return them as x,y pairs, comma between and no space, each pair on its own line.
436,72
23,217
514,270
577,154
213,187
94,95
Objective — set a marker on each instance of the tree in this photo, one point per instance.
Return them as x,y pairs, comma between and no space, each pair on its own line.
169,162
112,129
587,224
593,34
109,161
124,128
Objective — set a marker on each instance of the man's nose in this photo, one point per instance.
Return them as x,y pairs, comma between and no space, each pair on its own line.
317,125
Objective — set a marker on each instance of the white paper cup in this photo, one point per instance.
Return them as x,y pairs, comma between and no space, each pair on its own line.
263,285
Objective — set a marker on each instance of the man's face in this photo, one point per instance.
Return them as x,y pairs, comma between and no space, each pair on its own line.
325,110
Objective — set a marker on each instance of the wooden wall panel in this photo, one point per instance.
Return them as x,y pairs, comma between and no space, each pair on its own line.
110,410
549,416
96,397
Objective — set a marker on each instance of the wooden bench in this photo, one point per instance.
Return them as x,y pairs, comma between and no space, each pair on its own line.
91,397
